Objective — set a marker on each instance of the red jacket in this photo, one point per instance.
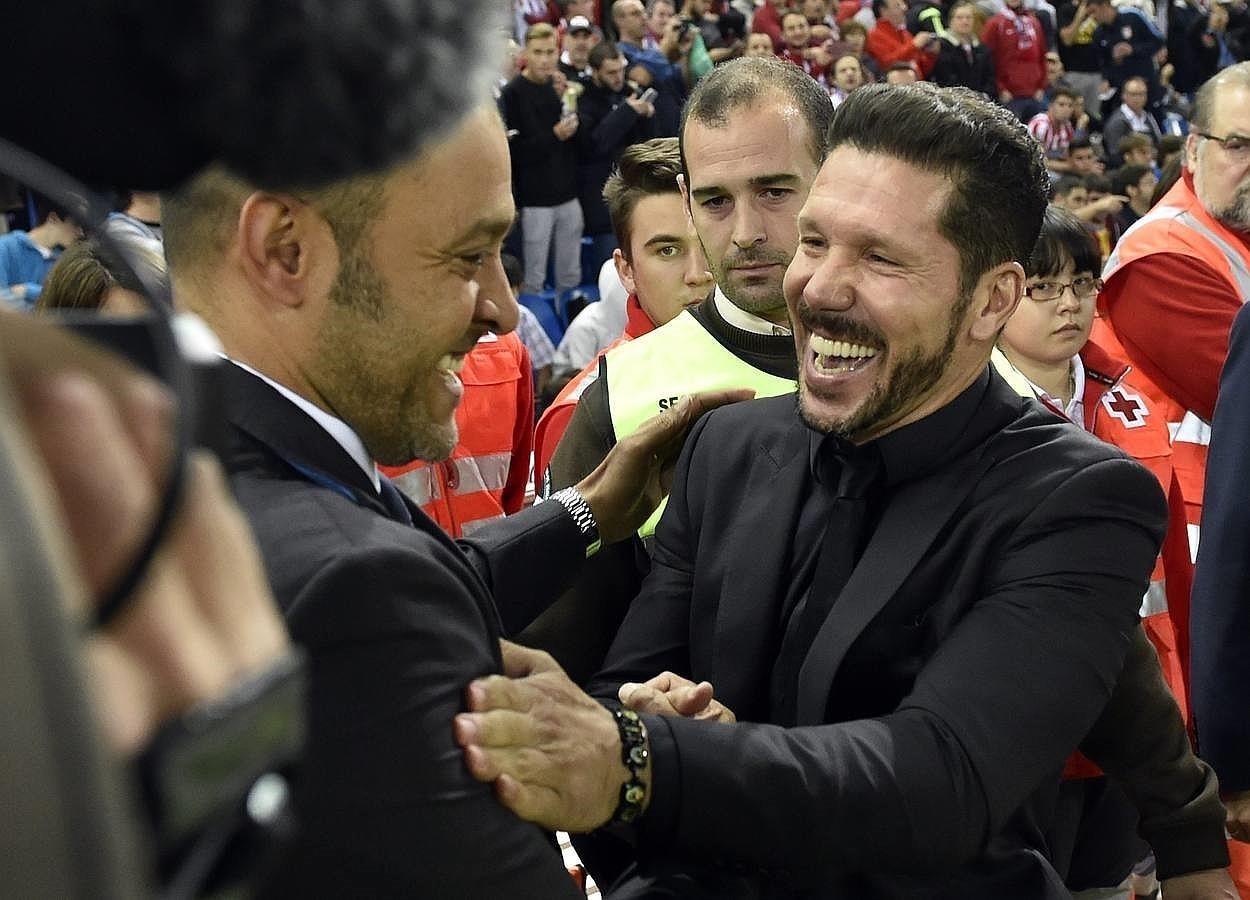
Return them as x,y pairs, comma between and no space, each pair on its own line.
551,426
486,475
1019,70
888,45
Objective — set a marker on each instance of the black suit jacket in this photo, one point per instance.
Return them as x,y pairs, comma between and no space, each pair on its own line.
396,621
1219,624
985,625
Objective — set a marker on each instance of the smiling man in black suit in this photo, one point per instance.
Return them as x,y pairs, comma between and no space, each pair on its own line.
914,595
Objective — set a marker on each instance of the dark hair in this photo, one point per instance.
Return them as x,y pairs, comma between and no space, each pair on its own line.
42,207
901,66
87,270
853,25
1134,140
743,82
1170,175
1067,184
1097,182
789,13
1080,143
1204,100
1061,91
643,170
601,53
512,270
981,147
1063,237
1125,177
1169,144
877,6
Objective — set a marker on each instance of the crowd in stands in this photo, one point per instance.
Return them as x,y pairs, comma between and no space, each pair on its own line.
1102,86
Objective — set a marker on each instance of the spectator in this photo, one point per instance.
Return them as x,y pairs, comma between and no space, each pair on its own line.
1127,43
610,118
594,328
94,275
855,37
1217,39
925,15
901,73
1136,150
1171,146
1132,116
1014,36
767,20
848,75
1053,129
719,36
27,256
1082,157
890,42
820,20
544,166
962,58
796,37
1137,183
579,37
1182,14
759,44
665,68
1078,54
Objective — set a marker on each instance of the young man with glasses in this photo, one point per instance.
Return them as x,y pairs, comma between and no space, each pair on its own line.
1173,286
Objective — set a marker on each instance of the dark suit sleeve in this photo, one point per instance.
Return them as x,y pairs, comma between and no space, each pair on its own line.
579,627
389,809
1016,684
1220,609
1141,743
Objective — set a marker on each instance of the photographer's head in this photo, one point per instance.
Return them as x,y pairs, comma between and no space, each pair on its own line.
906,269
363,297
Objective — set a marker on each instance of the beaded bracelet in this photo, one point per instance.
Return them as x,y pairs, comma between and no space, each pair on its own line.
634,754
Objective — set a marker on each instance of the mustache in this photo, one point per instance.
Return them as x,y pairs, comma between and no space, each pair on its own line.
754,256
837,326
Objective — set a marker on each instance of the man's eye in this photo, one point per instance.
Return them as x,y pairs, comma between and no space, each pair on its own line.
1237,145
668,251
776,193
715,203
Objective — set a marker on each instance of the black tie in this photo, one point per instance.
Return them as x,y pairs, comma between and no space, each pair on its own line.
839,551
393,502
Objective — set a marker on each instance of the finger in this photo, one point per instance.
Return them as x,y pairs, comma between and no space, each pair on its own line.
666,681
643,699
106,500
689,701
519,661
534,803
496,692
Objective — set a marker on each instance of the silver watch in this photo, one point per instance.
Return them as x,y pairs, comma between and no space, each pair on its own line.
577,507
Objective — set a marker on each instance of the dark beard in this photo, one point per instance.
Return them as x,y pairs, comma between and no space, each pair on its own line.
910,379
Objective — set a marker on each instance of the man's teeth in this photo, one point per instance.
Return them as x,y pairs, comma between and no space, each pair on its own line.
839,356
451,363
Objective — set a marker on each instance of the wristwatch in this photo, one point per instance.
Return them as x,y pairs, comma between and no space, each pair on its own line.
577,507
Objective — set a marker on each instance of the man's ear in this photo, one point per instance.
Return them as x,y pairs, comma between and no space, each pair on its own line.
1191,151
994,300
624,271
284,248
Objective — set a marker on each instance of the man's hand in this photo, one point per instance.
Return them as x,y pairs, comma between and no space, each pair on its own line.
1237,815
642,107
1212,884
565,128
637,473
1121,51
553,753
559,82
921,39
1004,96
668,694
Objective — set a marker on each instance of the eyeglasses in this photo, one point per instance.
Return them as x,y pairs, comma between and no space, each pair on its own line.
1234,145
1082,288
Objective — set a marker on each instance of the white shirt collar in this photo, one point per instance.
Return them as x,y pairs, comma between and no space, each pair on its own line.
1075,408
1137,120
335,427
740,318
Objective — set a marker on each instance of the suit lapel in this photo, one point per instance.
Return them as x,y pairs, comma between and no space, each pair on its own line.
291,434
758,573
910,523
